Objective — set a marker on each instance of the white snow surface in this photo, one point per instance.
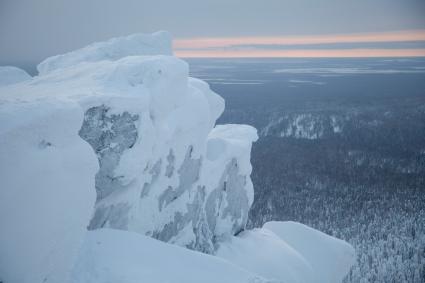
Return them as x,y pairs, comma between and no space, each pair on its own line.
12,75
46,190
294,254
118,256
264,253
116,135
158,43
330,258
290,252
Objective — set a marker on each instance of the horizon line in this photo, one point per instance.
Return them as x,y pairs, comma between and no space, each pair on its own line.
256,47
310,53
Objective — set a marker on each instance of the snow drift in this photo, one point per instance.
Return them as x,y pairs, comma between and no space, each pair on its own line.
290,252
279,252
122,119
116,256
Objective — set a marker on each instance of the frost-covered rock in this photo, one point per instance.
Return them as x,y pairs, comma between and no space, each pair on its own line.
12,75
164,170
161,173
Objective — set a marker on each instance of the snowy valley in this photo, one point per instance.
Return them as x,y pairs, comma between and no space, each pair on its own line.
345,157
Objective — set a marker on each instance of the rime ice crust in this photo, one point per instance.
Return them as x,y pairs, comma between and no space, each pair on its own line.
156,162
152,130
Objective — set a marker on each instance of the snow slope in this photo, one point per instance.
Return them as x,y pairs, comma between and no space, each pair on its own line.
330,258
262,252
258,255
290,252
118,256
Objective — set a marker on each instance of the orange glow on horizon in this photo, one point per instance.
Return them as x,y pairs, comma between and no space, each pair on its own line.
222,46
303,53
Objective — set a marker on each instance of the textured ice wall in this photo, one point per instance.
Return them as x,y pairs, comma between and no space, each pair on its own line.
174,199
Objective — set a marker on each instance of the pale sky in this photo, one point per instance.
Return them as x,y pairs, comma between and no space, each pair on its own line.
31,30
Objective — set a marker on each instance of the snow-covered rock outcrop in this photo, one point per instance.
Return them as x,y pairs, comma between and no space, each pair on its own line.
164,170
116,135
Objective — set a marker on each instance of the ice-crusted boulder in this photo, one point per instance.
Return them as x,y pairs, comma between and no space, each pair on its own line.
164,170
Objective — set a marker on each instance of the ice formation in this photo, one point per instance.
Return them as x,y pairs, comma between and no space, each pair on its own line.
117,135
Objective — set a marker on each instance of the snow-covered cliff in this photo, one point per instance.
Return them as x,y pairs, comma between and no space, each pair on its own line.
163,168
